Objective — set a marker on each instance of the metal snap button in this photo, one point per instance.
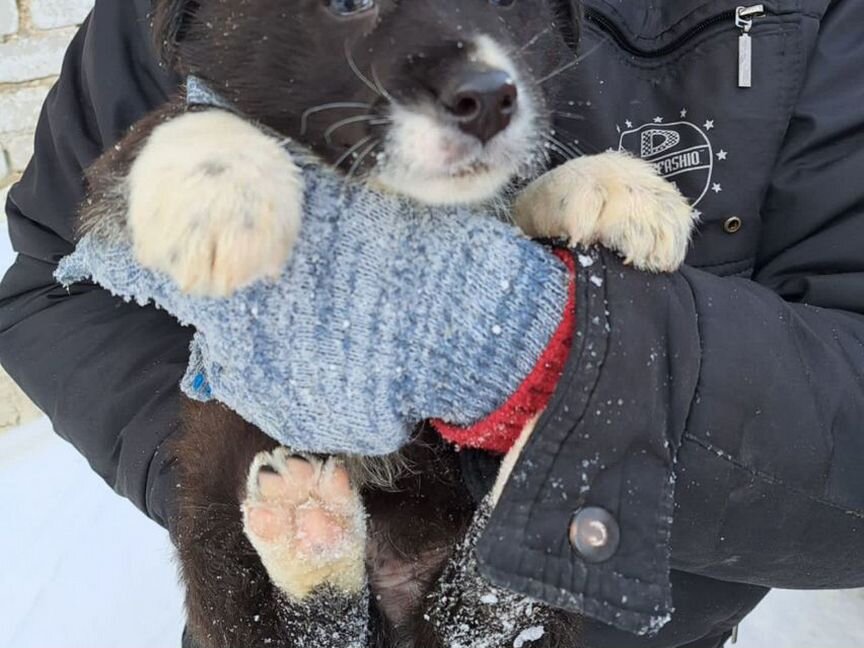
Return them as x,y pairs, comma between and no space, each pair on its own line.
732,224
594,534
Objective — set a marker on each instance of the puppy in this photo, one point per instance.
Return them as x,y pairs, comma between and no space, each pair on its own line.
440,100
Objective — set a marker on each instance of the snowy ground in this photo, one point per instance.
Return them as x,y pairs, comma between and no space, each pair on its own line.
82,568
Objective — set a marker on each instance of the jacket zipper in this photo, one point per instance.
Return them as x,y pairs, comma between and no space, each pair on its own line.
744,21
742,18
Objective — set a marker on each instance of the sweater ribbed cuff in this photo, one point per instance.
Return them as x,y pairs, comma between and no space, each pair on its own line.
500,430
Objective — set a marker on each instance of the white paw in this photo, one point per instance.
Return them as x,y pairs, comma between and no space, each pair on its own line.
306,522
214,203
613,199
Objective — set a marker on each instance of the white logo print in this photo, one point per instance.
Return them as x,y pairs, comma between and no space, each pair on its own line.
657,140
680,151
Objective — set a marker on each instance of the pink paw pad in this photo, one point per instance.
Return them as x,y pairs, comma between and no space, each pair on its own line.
302,509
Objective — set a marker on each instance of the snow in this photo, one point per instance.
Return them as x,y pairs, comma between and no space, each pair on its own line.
534,633
489,599
82,568
786,619
6,254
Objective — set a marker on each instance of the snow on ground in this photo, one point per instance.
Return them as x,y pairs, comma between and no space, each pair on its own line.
805,620
82,568
6,254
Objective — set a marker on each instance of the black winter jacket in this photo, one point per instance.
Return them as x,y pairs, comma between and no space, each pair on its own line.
715,415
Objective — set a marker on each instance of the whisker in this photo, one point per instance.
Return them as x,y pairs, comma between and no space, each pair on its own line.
534,39
360,159
328,106
583,149
562,151
593,50
569,115
570,64
546,157
351,150
351,64
558,151
501,206
560,70
557,140
374,120
561,146
382,90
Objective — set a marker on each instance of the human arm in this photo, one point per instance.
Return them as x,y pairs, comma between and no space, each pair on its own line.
754,384
104,372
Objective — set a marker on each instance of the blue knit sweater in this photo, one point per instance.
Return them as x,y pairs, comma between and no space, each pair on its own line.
387,313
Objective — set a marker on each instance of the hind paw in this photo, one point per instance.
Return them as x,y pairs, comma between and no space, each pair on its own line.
306,522
613,199
214,203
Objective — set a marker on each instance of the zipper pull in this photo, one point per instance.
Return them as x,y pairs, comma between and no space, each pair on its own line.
744,21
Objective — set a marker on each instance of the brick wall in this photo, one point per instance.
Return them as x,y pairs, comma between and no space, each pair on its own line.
33,38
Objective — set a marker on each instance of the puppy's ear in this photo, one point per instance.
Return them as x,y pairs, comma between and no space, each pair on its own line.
569,20
169,20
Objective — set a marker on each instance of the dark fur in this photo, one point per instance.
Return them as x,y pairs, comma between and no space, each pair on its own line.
230,601
275,59
411,51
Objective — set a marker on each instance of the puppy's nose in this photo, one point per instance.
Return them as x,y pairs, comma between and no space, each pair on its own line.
481,101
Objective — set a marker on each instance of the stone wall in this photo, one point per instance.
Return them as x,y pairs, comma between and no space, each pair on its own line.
33,37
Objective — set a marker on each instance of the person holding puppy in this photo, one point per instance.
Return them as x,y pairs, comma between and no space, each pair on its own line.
726,468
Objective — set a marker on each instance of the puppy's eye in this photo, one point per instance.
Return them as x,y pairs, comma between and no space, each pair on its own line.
501,3
349,7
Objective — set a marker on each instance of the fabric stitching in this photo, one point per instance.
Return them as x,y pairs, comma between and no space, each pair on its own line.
554,406
715,266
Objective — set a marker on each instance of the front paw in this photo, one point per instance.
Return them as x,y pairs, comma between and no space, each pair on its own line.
214,203
613,199
306,522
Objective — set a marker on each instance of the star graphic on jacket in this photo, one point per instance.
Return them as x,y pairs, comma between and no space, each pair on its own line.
683,112
628,124
721,154
716,188
658,120
709,124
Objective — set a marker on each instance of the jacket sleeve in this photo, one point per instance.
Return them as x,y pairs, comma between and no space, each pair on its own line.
718,420
771,487
104,371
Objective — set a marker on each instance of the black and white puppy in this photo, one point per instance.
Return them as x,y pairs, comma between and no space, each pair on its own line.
440,100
